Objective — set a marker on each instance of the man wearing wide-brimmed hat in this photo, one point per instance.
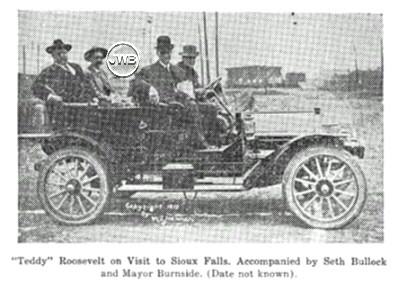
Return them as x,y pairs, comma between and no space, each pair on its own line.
97,80
162,77
189,54
62,81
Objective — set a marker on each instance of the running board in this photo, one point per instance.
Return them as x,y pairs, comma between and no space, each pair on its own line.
157,179
197,188
34,136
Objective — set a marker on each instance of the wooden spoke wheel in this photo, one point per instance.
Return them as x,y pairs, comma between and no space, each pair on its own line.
324,187
73,186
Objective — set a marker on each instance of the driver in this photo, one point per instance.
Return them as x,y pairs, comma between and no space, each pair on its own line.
189,54
160,80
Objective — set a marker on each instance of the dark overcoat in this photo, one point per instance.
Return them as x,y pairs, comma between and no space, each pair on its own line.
57,80
163,80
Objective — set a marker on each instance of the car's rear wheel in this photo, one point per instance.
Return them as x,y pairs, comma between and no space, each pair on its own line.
324,187
73,186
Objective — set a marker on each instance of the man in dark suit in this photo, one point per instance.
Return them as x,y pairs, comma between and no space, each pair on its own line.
189,54
62,81
162,79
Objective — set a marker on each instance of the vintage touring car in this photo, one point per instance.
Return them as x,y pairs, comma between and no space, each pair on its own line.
94,152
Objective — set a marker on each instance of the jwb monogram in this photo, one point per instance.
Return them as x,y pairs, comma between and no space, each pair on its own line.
123,59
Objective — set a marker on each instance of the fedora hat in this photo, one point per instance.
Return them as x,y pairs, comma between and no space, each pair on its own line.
189,51
58,44
164,42
88,54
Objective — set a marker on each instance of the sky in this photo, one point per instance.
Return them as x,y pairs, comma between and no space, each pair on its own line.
317,44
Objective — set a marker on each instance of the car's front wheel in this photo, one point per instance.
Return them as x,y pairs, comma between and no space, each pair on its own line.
324,187
73,186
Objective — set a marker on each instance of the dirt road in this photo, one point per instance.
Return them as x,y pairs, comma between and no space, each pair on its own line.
235,226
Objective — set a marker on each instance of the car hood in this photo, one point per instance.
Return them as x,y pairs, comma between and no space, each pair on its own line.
299,118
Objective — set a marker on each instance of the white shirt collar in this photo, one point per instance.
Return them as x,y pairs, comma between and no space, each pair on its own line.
166,66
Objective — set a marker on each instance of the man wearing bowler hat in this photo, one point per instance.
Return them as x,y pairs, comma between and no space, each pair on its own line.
163,78
97,81
162,75
189,54
62,81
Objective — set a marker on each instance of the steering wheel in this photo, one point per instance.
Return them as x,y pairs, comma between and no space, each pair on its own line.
213,84
176,105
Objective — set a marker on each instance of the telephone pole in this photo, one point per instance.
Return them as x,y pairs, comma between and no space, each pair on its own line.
150,23
201,56
208,74
217,44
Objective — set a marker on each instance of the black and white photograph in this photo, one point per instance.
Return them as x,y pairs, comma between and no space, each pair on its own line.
200,127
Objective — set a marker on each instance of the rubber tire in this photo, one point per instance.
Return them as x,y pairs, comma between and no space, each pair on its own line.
99,167
343,155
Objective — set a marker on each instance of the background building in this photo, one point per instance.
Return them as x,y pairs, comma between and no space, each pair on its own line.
366,80
293,79
254,77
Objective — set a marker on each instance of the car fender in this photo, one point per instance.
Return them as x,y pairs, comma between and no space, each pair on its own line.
64,139
269,170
